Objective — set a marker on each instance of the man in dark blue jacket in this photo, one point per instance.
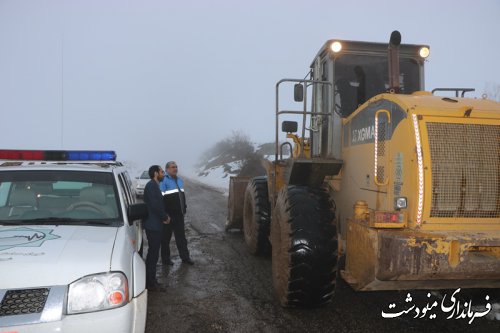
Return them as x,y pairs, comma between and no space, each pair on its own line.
157,218
172,188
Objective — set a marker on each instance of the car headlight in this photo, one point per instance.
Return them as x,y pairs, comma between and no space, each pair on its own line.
98,292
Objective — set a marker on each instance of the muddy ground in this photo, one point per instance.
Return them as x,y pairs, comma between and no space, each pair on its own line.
229,290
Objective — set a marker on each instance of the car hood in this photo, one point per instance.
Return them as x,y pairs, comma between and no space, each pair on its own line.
32,256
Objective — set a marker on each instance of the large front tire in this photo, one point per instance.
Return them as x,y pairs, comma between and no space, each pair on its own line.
304,247
256,217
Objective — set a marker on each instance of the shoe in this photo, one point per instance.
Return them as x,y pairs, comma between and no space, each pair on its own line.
168,262
188,261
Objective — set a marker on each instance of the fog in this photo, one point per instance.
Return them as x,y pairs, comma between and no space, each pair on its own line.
165,80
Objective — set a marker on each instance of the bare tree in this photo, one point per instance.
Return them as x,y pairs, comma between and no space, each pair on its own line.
236,147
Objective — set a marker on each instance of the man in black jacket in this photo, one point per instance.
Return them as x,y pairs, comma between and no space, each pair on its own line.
157,218
172,188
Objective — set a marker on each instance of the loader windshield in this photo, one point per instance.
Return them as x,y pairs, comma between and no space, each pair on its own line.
358,78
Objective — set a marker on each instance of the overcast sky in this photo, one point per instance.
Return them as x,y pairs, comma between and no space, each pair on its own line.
164,80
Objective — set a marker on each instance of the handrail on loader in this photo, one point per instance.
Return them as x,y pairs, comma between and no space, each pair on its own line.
304,112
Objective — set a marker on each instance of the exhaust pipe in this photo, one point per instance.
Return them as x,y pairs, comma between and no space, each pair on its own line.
393,51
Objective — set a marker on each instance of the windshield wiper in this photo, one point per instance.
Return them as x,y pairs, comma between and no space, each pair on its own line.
63,220
10,222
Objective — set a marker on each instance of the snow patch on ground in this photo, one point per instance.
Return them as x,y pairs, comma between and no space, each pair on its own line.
215,177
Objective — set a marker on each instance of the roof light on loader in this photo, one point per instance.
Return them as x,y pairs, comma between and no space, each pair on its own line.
424,52
336,47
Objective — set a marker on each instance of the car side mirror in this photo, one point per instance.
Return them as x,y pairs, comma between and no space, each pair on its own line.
138,211
289,126
298,92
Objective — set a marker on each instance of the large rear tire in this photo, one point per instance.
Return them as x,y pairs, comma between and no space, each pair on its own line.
304,247
256,217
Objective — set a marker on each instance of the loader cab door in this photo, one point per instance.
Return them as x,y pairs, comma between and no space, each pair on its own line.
322,98
316,107
327,137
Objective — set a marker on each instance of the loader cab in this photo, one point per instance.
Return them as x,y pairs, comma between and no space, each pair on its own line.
357,71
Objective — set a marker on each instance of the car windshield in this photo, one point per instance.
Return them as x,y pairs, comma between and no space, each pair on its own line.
58,197
144,175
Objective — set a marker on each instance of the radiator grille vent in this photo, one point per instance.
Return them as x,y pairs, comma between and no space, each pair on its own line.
16,302
465,170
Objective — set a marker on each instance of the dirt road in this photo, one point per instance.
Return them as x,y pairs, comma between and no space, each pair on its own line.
229,290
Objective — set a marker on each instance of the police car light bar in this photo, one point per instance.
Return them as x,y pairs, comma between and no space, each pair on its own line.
57,155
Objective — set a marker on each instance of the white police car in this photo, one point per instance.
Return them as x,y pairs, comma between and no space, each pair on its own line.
69,240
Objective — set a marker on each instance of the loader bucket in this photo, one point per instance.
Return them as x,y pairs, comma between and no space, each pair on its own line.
237,187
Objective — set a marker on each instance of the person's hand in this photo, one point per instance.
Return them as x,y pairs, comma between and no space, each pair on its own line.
167,221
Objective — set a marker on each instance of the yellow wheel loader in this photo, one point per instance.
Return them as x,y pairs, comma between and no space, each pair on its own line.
401,182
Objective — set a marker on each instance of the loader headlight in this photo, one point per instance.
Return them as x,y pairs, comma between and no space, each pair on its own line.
336,47
424,52
98,292
400,203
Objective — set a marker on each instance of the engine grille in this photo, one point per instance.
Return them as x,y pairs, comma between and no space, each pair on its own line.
465,170
16,302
